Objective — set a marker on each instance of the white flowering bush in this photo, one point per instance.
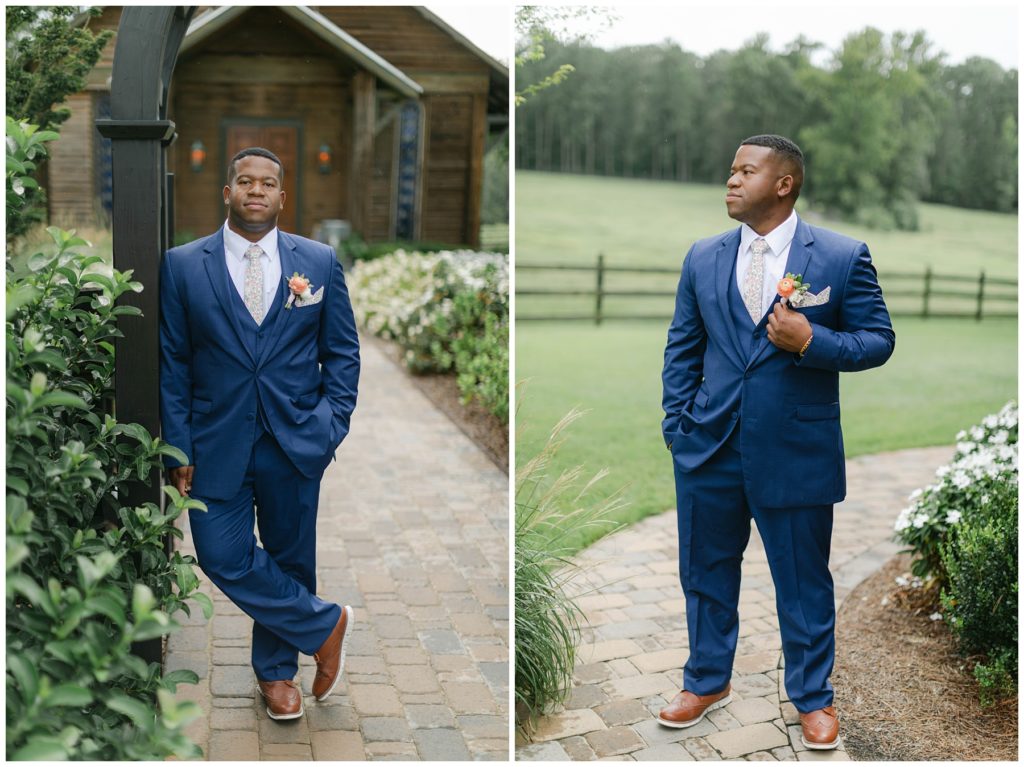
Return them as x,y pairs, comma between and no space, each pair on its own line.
449,310
963,531
985,464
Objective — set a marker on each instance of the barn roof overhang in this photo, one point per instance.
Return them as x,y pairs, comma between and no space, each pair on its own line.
214,20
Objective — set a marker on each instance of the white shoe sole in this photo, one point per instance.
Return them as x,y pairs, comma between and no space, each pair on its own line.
280,717
341,661
819,746
682,725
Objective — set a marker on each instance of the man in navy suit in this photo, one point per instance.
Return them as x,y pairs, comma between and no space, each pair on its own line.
259,365
751,400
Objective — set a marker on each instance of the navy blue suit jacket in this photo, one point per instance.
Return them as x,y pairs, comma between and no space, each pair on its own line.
212,383
715,373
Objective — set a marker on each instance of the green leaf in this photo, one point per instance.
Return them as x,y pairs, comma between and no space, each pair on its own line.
59,398
25,676
142,601
17,484
181,676
204,602
133,709
68,695
42,750
38,384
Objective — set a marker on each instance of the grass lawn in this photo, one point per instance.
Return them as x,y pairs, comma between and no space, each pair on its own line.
570,219
944,376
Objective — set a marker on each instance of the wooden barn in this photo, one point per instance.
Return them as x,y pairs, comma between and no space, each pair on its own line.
380,115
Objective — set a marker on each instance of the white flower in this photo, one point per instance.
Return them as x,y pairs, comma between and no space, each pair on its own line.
965,447
903,520
942,471
961,435
977,433
920,520
936,616
1000,437
953,517
985,498
961,480
901,580
990,421
916,494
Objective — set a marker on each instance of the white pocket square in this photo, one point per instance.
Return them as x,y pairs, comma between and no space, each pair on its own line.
313,299
808,299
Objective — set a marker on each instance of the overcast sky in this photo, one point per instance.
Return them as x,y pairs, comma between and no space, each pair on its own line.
961,29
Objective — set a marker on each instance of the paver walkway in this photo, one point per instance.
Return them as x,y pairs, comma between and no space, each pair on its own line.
630,662
413,533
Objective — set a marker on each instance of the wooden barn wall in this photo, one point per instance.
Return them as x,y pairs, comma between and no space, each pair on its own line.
70,185
381,185
291,78
446,187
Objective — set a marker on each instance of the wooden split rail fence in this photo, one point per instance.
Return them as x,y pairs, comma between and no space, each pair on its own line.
933,292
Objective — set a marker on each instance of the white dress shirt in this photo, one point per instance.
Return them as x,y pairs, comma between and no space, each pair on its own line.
779,239
234,253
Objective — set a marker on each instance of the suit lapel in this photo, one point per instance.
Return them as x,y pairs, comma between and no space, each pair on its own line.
796,263
725,257
289,265
217,271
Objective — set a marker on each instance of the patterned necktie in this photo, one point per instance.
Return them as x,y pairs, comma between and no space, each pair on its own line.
753,282
254,282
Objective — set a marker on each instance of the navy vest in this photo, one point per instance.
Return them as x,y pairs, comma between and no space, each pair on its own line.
254,337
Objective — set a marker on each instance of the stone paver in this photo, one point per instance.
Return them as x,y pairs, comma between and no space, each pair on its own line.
413,533
635,643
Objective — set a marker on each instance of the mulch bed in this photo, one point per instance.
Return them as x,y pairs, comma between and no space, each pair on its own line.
902,691
477,423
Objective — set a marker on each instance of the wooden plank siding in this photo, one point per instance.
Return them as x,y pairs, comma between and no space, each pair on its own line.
70,184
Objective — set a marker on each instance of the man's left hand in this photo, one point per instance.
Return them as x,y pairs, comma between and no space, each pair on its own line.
787,329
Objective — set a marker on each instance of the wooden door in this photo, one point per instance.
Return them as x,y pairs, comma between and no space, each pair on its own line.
282,140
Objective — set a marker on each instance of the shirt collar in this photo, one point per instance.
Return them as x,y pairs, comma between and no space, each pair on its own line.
778,239
235,244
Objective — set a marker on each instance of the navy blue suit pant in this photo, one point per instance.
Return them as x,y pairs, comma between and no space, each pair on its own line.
714,516
274,584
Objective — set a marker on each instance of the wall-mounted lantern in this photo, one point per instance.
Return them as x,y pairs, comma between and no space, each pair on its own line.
323,159
197,155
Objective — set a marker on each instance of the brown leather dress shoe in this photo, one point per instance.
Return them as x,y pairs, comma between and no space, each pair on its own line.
330,658
284,699
820,729
687,708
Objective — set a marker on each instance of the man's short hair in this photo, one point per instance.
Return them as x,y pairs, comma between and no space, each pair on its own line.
254,151
789,154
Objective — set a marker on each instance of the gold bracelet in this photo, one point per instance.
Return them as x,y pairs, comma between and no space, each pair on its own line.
806,344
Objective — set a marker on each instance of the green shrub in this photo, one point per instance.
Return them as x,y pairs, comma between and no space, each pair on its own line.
87,576
980,602
547,618
963,533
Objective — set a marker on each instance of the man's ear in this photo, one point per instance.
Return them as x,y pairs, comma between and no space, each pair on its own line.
785,185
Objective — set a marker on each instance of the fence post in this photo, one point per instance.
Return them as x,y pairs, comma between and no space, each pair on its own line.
927,289
981,294
600,288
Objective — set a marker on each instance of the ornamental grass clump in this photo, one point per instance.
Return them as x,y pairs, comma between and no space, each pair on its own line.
963,534
546,579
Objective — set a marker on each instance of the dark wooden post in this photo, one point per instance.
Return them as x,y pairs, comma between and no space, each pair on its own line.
927,290
600,288
981,295
148,39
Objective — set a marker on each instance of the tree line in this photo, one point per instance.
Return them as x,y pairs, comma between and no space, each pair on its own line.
885,122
